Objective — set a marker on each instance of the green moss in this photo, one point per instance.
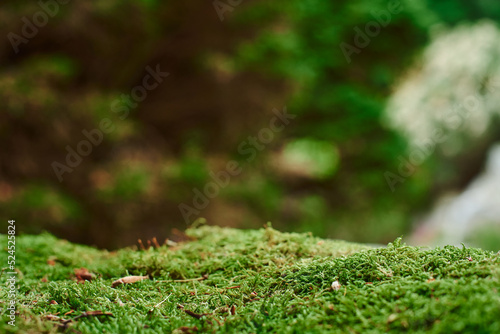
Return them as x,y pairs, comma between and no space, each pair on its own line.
257,281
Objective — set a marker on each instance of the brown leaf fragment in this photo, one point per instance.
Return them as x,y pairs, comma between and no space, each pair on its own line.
234,287
179,236
51,262
83,275
92,314
53,302
233,310
195,315
96,313
155,243
188,330
69,312
127,280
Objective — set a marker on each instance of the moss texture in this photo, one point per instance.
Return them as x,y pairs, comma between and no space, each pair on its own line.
253,281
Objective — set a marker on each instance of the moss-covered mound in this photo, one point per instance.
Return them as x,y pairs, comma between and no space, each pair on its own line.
227,280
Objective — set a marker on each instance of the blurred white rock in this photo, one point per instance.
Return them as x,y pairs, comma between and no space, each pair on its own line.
456,218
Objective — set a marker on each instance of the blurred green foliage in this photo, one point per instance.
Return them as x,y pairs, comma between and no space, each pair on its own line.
321,157
226,77
486,236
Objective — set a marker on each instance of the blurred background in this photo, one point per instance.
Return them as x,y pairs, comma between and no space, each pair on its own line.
392,130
